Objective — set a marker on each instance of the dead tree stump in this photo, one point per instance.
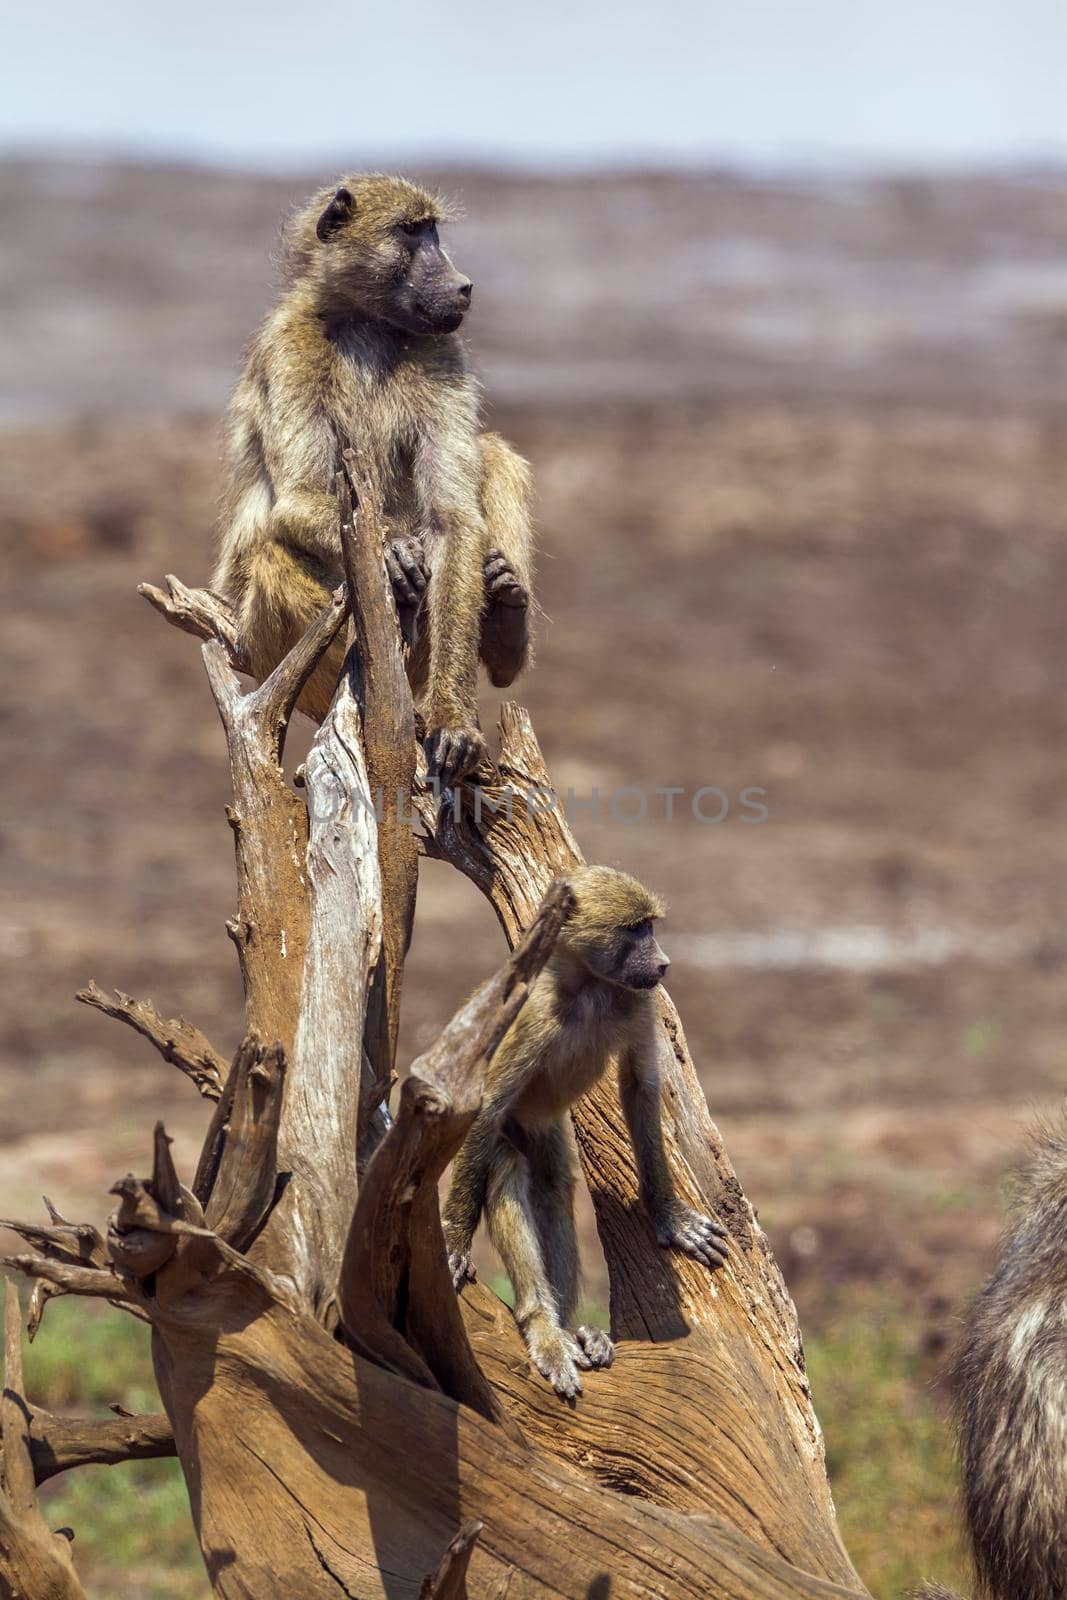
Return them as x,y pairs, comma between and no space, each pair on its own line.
345,1424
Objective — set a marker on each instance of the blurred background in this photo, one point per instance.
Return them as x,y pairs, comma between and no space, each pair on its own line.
775,301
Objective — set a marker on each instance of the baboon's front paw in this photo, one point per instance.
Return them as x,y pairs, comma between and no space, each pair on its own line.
598,1347
405,562
503,586
453,752
557,1356
461,1267
695,1235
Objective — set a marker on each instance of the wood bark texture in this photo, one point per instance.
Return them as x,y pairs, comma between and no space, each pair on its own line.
347,1425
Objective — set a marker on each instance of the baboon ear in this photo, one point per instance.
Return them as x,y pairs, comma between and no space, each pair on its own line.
337,213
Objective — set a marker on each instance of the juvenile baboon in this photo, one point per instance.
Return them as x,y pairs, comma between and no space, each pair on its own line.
362,350
592,1003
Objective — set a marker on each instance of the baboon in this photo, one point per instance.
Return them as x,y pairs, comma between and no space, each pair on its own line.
593,1002
362,351
1009,1374
1010,1379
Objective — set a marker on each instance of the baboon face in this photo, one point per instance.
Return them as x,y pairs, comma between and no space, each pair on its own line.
433,296
634,958
612,928
381,254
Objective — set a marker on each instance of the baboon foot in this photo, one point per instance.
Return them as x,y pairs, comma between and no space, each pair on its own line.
461,1267
505,642
557,1355
454,752
598,1347
405,562
503,586
695,1235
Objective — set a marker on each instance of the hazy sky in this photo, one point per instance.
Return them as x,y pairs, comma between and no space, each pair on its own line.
874,81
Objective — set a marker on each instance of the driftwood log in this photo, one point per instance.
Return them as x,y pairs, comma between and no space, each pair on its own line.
346,1425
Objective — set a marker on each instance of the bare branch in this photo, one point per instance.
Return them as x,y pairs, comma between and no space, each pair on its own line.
270,828
40,1294
275,699
388,742
164,1187
176,1040
67,1243
268,820
454,1063
263,714
200,612
396,1299
18,1468
100,1285
517,839
318,1135
247,1175
207,1168
449,1582
35,1564
57,1444
78,1244
154,1218
138,1208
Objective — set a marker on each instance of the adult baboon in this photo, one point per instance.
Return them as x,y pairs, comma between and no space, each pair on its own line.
362,350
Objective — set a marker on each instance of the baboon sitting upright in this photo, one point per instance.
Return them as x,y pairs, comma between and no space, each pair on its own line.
362,350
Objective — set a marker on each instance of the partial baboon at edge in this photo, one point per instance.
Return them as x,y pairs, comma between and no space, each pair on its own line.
592,1003
1009,1373
1011,1394
362,351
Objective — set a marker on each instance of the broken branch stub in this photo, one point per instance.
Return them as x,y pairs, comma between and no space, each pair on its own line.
388,732
270,826
319,1129
35,1563
176,1040
397,1303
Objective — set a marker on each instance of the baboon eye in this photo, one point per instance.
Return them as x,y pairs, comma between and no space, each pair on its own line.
412,228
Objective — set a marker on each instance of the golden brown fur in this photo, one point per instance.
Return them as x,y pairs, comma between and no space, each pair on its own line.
593,1003
362,350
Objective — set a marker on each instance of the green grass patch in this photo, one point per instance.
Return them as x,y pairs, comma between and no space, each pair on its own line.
888,1448
133,1533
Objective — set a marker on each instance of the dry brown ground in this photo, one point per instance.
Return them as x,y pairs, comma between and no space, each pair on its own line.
828,561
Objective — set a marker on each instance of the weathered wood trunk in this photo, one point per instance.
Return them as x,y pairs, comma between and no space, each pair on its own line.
345,1424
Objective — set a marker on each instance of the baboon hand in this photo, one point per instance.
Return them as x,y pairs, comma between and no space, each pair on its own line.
503,586
695,1235
452,752
557,1355
598,1347
405,562
461,1267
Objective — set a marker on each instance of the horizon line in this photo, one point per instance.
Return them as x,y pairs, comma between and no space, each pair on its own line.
819,164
